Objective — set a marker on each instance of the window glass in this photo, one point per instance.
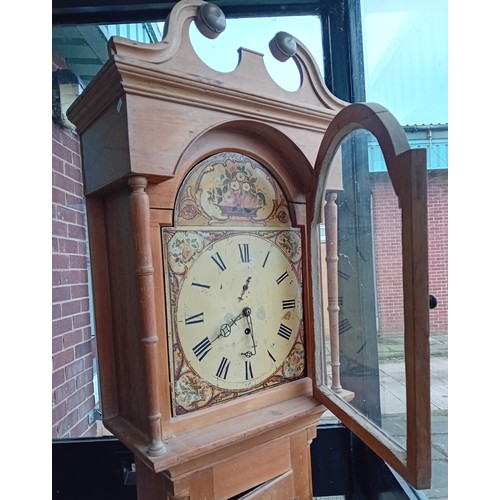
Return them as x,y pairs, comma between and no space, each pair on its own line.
405,60
405,51
255,34
140,32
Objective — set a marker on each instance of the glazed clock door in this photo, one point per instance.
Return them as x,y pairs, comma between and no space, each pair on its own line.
371,325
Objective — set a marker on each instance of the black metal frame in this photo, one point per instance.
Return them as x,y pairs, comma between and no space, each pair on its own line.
103,468
340,20
123,11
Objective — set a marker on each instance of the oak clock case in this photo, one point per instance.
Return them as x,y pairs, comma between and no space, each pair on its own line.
233,280
196,228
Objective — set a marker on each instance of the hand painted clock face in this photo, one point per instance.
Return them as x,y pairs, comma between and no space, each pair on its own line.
237,316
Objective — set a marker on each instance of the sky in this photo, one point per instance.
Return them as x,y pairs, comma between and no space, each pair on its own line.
405,54
406,58
473,255
255,34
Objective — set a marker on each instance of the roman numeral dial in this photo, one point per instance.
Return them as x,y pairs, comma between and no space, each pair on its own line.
238,304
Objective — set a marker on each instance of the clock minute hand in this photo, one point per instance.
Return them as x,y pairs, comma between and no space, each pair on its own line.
249,331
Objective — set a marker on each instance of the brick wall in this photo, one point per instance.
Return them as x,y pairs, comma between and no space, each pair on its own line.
72,343
387,242
437,193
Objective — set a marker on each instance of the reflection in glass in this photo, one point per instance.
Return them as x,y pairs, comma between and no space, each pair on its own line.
389,296
362,347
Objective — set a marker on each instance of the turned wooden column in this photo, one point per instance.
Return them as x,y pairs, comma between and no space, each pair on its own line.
139,204
332,259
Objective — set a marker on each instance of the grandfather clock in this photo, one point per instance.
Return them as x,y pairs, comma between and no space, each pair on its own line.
205,195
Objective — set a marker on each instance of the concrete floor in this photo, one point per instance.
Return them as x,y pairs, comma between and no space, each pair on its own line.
393,403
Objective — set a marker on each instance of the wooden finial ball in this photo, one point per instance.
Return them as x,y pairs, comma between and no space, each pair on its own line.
283,46
210,21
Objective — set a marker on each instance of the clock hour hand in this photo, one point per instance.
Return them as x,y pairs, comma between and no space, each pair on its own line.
225,328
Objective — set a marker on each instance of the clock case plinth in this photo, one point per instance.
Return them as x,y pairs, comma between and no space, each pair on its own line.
151,114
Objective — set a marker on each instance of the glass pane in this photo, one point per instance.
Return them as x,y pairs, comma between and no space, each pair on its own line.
405,52
361,346
386,217
221,53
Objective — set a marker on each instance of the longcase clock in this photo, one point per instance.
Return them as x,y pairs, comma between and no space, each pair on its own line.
204,200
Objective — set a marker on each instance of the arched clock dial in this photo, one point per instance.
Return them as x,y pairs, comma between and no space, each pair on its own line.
239,308
233,273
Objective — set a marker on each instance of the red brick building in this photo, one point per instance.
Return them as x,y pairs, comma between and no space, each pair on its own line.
73,360
386,232
386,218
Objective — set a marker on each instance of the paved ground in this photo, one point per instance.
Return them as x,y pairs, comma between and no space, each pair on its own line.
393,403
